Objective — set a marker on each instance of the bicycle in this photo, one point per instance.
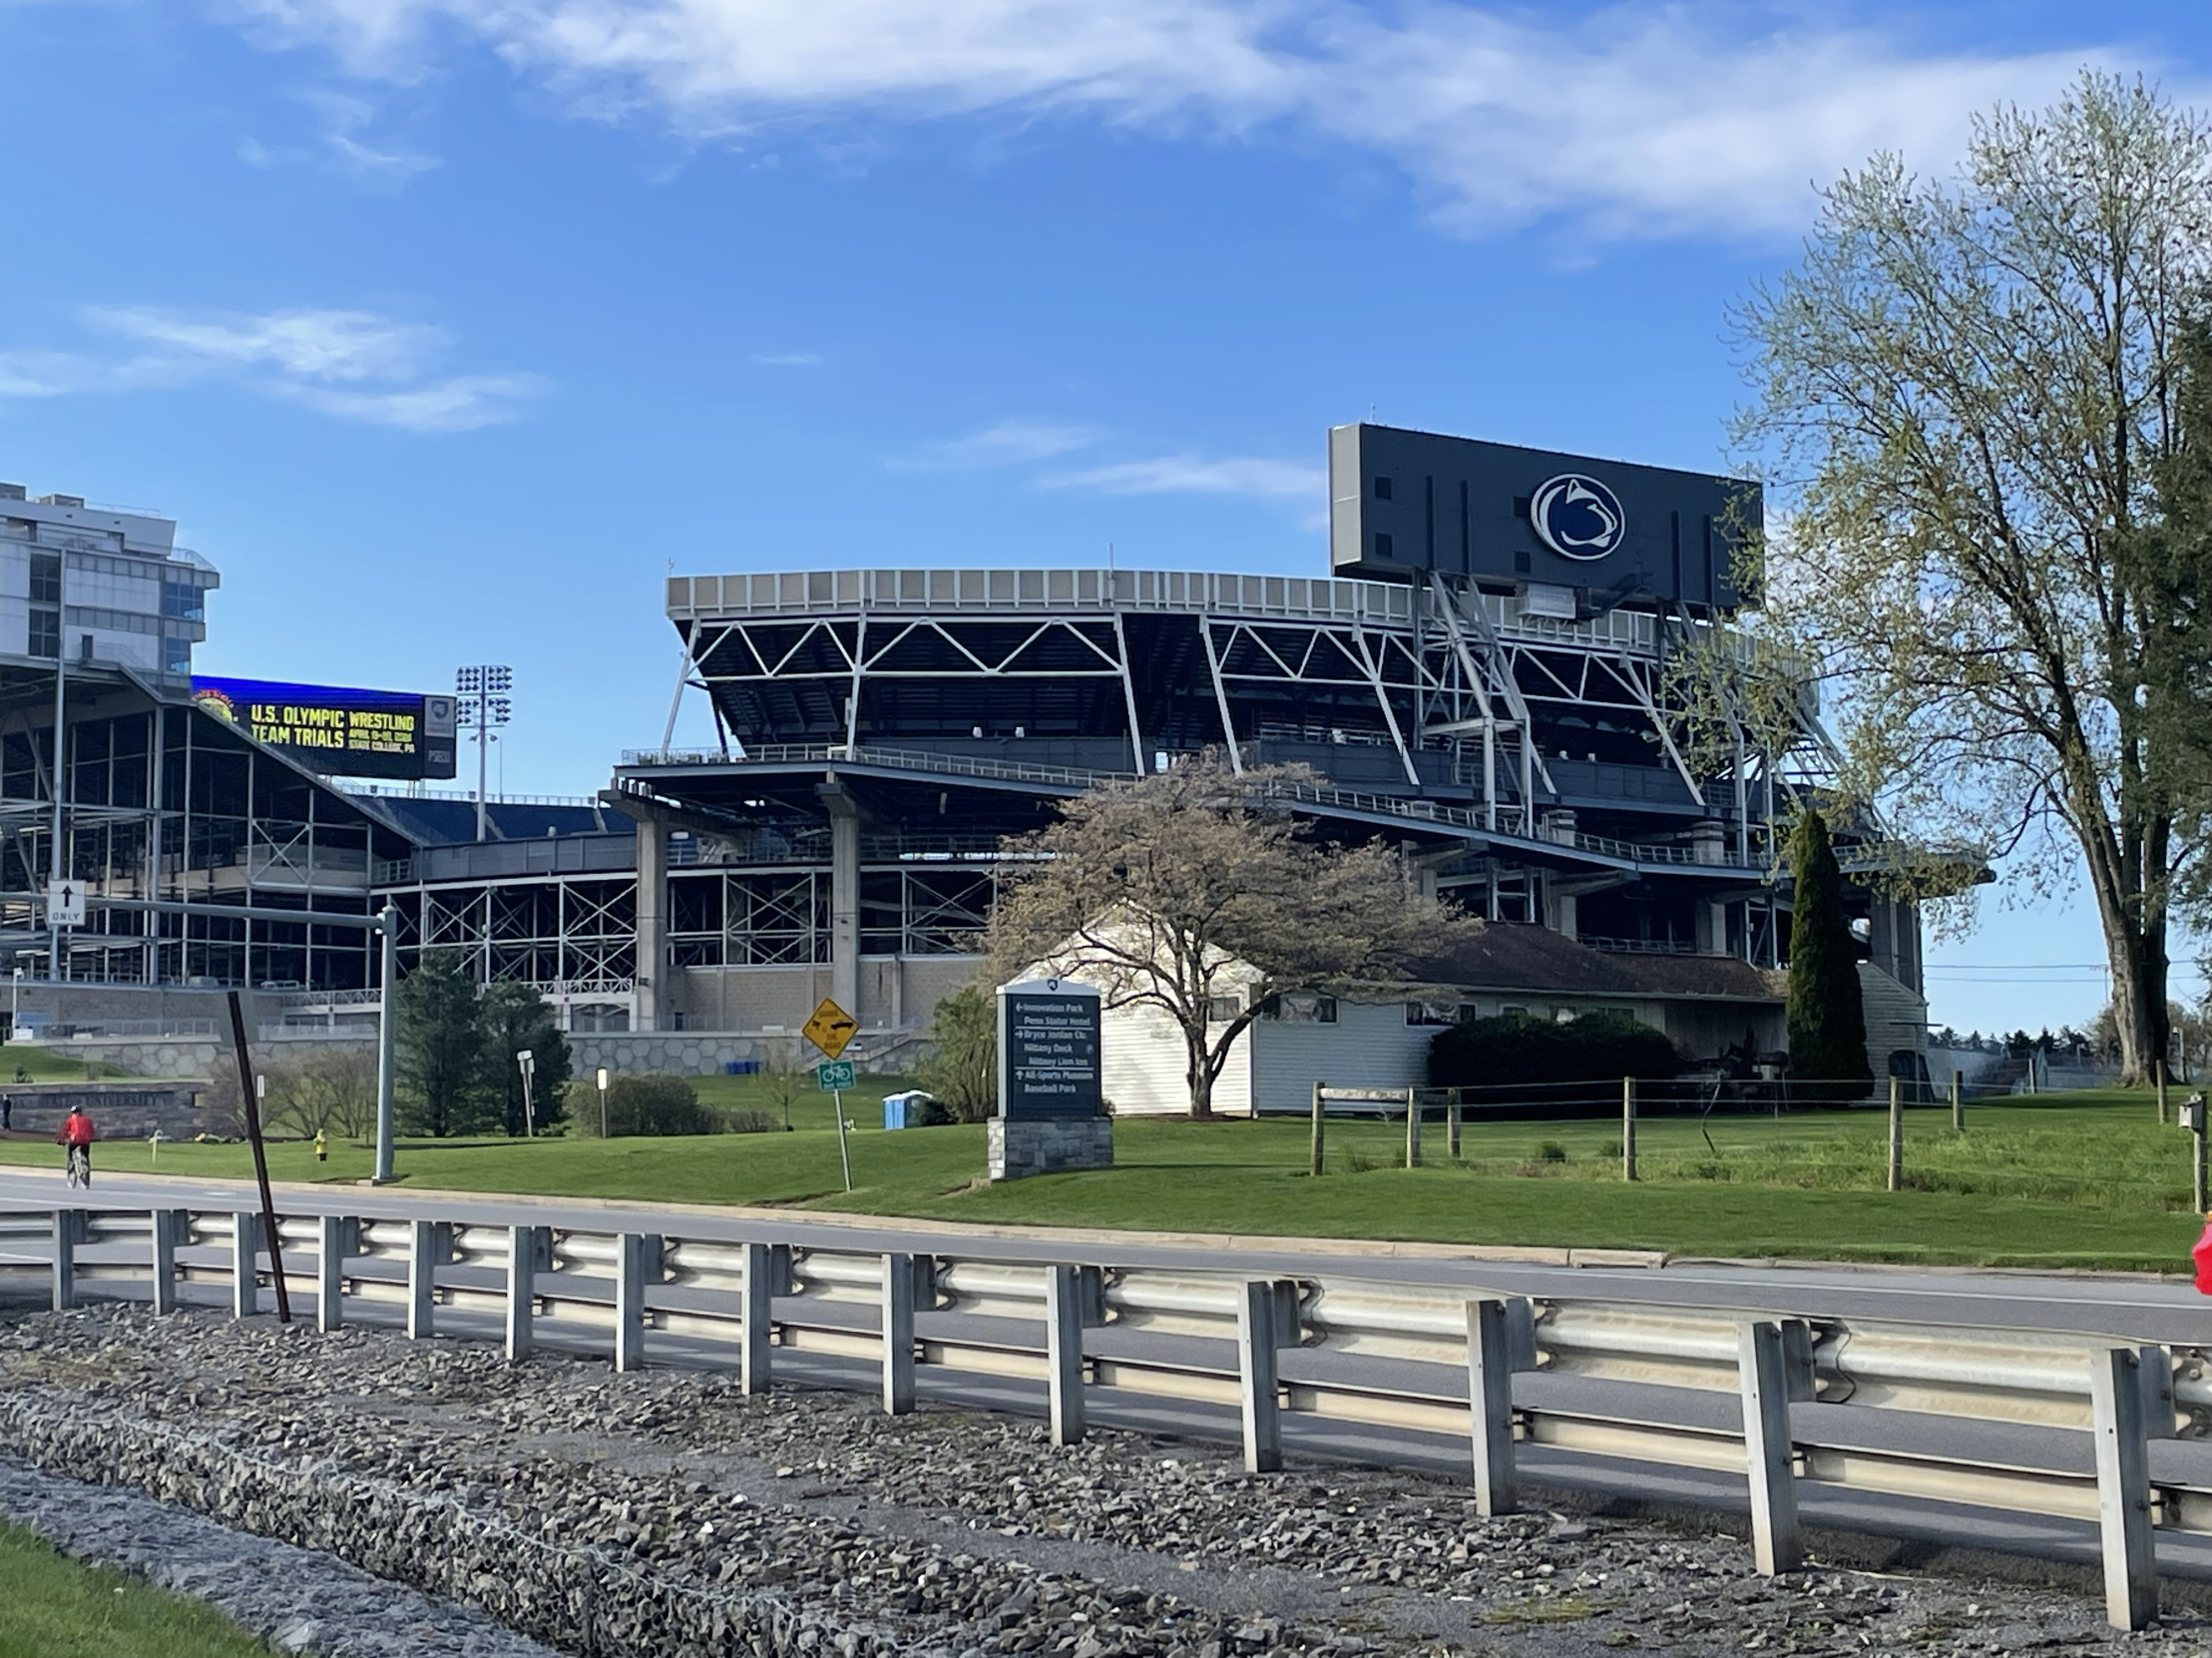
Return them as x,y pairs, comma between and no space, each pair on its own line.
80,1166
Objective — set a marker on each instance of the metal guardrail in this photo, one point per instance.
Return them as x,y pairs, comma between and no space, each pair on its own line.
1385,1353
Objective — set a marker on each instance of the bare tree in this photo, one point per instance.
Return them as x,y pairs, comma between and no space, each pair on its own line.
783,1072
1965,392
1175,890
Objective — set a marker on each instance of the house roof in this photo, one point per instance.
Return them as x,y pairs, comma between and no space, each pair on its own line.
1512,957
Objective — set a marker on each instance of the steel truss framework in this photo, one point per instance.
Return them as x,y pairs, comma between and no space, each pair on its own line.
1463,689
751,917
571,936
162,804
1439,691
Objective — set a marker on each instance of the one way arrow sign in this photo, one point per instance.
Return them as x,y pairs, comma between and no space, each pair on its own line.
65,904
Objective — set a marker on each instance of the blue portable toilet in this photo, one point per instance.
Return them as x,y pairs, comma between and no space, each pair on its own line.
903,1110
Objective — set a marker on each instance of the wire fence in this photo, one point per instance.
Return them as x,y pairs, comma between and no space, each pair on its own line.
1838,1136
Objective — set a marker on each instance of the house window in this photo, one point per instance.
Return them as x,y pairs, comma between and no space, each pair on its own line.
1432,1012
46,633
46,579
1382,543
1382,489
1507,1013
1220,1009
1300,1008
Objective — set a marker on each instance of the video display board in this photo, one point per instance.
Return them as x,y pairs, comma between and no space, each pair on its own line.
337,730
1403,503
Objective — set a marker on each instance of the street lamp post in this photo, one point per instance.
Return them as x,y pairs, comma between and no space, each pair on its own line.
603,1102
482,708
529,1068
15,1005
388,1041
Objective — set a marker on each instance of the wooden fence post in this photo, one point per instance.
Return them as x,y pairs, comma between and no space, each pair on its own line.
2158,1074
1627,1128
1957,1105
1413,1129
1763,1375
1319,1119
1490,1405
1452,1127
1897,1137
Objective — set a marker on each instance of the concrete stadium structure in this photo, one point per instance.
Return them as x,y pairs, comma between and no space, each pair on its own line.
883,730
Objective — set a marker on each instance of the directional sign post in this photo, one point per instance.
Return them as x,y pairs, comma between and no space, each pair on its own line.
65,903
833,1030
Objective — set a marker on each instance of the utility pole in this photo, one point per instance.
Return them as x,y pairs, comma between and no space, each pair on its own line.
387,1043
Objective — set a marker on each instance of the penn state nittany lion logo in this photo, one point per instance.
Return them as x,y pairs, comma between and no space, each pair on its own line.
1577,517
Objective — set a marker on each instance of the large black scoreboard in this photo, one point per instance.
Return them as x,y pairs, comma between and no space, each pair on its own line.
1404,503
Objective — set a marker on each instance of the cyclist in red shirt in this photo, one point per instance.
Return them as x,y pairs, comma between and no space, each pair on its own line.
78,1134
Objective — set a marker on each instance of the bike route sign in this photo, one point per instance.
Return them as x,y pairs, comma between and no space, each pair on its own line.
1049,1051
834,1076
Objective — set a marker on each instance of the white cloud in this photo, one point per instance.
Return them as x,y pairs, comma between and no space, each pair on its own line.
1640,119
1252,476
358,365
1009,443
311,345
460,404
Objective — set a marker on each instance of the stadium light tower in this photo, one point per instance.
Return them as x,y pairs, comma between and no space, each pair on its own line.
483,705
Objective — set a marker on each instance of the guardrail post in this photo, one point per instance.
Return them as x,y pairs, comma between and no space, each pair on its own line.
171,1227
422,1278
1957,1105
759,1315
522,1294
246,1278
1800,1369
898,1334
330,1272
1775,1542
1256,1355
1897,1136
1313,1166
69,1229
1490,1405
2124,1489
633,1249
1064,1353
1627,1128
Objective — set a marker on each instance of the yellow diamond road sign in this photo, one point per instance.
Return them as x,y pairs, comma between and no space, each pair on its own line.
832,1028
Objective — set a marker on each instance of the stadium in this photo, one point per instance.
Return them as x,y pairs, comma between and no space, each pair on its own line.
1480,677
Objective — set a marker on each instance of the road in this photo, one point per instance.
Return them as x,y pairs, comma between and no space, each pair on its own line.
2130,1308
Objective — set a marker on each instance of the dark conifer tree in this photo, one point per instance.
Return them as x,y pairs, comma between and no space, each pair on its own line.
1827,1014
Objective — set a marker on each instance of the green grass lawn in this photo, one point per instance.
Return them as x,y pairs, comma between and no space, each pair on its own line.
53,1607
41,1065
2086,1179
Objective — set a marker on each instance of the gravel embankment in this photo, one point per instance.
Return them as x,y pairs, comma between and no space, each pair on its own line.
667,1514
294,1598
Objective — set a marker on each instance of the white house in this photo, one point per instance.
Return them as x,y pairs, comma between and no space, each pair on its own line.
1380,1037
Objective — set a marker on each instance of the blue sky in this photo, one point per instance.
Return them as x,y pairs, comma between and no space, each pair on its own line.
447,326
